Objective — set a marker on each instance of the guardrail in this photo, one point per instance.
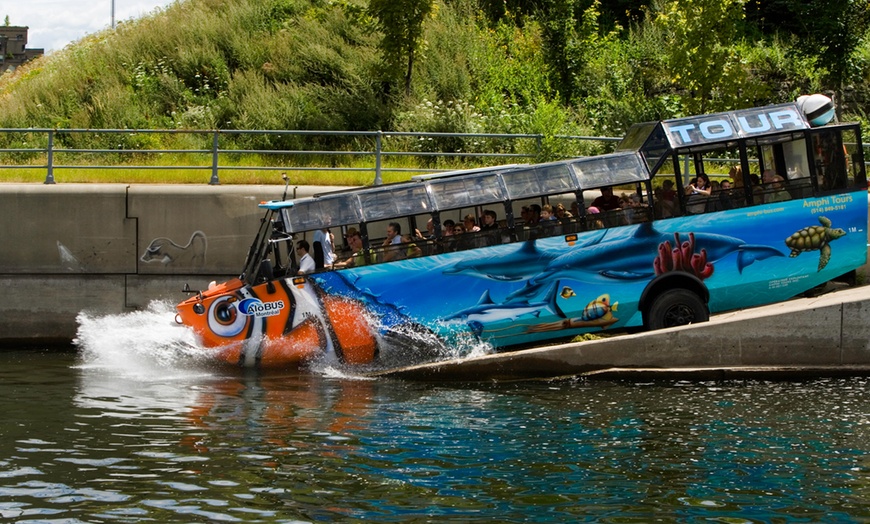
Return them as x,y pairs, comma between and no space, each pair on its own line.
44,156
40,148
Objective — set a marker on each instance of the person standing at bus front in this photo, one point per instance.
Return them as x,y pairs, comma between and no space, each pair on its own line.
324,253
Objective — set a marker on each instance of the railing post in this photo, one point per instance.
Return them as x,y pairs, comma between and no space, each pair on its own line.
378,179
49,176
215,181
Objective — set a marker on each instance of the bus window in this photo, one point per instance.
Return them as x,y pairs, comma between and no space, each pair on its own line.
665,201
797,169
830,160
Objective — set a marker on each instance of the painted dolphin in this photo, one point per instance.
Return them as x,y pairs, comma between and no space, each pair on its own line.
487,311
520,264
632,258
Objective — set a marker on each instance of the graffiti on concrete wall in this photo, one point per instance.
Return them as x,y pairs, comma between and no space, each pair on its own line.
166,251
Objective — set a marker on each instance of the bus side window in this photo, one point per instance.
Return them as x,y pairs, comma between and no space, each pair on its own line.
664,198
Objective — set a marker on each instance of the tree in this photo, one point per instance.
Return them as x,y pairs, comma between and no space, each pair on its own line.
571,34
702,58
829,31
401,22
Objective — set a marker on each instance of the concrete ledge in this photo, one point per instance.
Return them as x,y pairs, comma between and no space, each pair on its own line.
806,335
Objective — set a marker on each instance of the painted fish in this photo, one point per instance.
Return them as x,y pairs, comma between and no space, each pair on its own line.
599,308
598,313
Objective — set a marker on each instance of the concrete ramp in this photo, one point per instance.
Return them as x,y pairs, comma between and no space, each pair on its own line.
821,336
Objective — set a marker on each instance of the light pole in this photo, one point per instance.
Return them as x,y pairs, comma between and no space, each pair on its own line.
113,14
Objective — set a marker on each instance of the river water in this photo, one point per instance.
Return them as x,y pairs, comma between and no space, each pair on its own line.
129,426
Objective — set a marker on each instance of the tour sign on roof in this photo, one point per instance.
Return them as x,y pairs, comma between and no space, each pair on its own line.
745,123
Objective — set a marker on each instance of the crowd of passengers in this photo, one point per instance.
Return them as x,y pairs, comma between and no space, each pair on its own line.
701,195
536,221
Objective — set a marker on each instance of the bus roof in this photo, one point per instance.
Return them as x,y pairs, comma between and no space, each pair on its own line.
640,154
460,189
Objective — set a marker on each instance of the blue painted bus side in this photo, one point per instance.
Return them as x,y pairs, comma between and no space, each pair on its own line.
560,286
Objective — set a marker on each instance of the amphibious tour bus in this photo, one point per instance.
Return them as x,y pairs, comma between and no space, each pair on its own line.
655,234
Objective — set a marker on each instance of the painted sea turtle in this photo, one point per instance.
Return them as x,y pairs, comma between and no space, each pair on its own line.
815,237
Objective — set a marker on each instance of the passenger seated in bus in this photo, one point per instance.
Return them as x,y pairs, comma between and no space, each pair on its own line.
470,224
697,191
575,209
634,210
394,238
447,228
534,216
562,213
774,190
306,261
757,190
412,250
354,239
699,185
724,198
430,231
593,221
607,201
552,226
664,199
491,235
490,220
547,214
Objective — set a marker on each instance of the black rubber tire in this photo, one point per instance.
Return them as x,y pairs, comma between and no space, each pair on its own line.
676,307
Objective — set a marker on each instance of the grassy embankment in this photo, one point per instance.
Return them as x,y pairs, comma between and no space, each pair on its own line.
303,64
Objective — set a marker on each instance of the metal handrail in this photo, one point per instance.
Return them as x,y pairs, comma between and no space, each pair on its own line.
379,152
216,152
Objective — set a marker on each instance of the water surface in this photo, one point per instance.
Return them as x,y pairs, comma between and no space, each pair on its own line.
133,427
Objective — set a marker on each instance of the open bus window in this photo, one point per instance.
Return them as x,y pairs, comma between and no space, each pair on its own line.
834,152
854,156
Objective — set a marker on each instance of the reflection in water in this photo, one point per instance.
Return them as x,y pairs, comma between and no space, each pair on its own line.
91,437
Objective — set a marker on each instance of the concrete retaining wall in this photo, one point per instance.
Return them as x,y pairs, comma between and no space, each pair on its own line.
112,248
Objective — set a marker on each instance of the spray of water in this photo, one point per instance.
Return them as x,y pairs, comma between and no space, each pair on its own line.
149,345
140,344
407,344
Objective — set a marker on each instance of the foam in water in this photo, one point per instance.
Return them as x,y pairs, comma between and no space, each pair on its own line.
140,344
403,345
150,344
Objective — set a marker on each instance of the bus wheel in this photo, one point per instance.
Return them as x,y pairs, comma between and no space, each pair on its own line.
676,307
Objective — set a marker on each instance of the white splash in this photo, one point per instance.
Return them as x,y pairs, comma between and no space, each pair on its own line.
140,344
